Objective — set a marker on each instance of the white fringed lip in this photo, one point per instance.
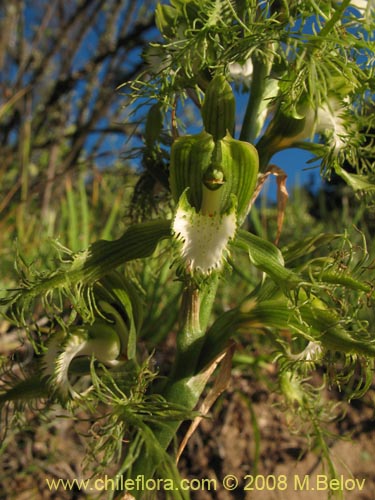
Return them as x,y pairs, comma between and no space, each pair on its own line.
204,237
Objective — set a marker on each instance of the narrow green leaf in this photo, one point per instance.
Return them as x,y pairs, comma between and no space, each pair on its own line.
85,223
72,217
115,208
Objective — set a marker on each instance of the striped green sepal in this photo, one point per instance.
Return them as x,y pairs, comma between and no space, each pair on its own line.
120,302
34,387
195,156
190,158
315,324
240,166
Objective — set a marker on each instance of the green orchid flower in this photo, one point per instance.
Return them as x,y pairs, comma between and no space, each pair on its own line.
212,178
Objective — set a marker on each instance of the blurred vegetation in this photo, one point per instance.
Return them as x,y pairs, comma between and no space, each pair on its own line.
63,123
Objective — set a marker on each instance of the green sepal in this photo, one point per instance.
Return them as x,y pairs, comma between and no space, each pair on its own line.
194,155
124,330
190,158
307,321
240,165
104,342
124,304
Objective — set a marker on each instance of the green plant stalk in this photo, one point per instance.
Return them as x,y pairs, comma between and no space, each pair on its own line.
249,130
196,310
185,386
185,392
190,337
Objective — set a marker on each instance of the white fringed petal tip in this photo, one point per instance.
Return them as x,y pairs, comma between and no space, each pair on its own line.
312,352
204,238
362,5
241,73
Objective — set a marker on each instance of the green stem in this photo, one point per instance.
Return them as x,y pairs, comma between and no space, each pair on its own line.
186,392
184,387
196,309
190,338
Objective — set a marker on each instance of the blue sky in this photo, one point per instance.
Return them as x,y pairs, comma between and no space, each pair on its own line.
295,164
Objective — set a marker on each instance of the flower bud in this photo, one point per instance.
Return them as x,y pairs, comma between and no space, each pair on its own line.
154,124
218,110
241,73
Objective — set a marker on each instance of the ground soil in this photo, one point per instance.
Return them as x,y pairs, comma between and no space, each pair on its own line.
225,445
